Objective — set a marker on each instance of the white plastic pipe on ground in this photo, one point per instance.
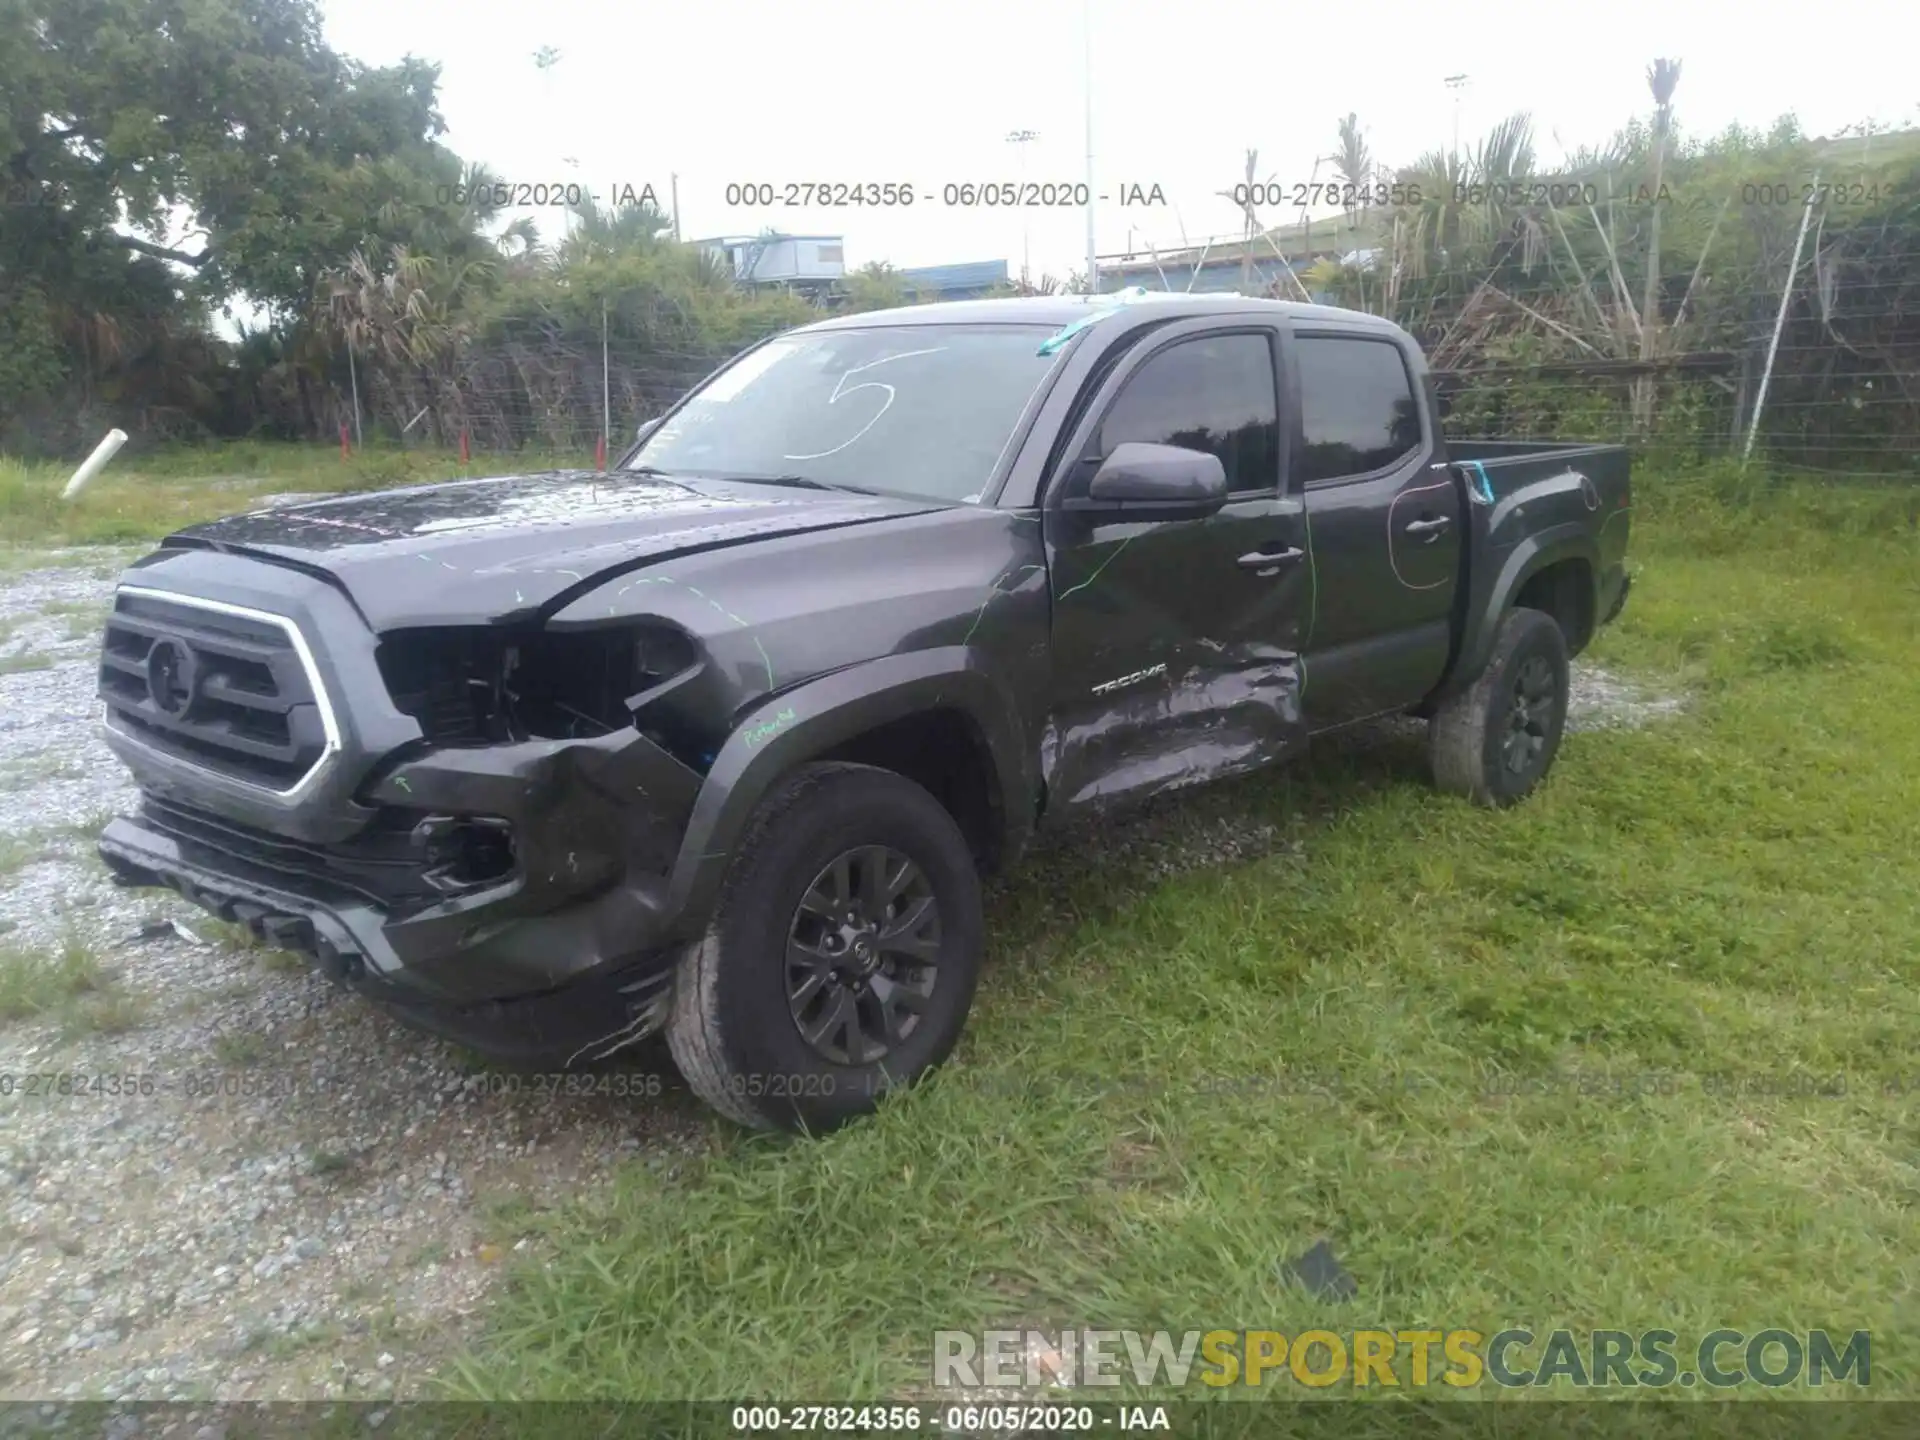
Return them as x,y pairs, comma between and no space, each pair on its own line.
95,463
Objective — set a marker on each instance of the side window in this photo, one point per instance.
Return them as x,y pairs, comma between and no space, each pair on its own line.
1214,393
1357,409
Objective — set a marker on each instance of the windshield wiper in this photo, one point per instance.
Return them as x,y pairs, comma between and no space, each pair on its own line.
653,470
799,482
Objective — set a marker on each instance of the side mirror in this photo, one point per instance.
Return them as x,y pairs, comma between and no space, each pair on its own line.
1156,482
647,427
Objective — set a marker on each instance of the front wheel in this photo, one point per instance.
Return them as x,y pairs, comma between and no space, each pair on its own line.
1495,741
842,957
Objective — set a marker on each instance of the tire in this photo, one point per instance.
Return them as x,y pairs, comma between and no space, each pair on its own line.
735,1026
1479,747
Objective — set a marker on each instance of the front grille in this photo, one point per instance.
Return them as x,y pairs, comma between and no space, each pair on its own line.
222,687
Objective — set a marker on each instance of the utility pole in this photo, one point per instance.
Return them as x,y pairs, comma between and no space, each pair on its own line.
1086,26
1457,84
1024,138
674,181
544,59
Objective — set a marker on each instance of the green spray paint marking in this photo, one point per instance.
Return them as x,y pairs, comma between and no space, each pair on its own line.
996,590
698,594
1099,569
767,729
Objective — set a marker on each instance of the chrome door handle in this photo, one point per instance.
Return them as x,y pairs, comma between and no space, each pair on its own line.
1270,559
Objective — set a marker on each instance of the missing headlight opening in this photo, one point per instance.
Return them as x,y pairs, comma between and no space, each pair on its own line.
472,686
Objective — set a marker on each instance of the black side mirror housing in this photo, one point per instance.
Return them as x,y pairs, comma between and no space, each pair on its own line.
1155,482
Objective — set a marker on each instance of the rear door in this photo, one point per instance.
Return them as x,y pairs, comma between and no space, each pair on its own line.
1384,517
1176,643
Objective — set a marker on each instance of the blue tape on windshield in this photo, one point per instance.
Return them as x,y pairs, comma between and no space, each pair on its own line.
1054,341
1120,297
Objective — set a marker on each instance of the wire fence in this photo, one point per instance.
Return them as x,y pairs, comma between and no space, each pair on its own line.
1827,382
528,387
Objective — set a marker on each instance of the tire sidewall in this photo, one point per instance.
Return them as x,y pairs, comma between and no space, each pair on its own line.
778,1072
1535,633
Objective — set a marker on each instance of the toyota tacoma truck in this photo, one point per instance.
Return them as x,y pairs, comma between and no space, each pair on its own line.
720,742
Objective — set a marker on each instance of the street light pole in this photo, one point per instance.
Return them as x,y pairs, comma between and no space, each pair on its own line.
1086,26
1024,138
1456,83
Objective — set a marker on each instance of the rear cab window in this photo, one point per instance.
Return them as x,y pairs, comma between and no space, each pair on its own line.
1359,412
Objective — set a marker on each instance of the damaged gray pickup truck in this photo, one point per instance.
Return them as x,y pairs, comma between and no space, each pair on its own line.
721,742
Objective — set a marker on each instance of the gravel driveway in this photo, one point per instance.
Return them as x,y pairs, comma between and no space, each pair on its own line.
313,1199
263,1188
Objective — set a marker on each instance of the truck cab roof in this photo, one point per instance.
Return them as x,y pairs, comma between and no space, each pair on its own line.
1063,310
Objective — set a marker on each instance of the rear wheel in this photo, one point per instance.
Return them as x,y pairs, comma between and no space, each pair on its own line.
842,957
1495,741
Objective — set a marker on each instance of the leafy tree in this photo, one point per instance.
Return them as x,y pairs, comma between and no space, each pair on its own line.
876,286
121,121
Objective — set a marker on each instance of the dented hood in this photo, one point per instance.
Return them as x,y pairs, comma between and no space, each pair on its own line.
515,547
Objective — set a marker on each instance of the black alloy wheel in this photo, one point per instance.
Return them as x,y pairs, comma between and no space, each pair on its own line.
863,952
1532,715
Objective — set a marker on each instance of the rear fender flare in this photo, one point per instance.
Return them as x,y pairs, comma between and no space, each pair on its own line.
1571,541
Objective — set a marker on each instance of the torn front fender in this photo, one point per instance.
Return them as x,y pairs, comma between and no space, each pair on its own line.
810,720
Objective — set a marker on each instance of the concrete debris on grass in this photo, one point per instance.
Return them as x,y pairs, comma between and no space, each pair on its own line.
1602,701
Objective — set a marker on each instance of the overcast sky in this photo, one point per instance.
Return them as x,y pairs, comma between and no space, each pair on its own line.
908,91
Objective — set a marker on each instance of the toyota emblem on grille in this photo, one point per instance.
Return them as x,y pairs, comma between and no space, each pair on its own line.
173,677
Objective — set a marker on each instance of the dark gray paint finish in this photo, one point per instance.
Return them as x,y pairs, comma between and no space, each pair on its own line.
818,615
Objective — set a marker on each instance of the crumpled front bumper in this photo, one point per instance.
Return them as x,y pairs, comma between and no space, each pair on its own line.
597,1011
568,950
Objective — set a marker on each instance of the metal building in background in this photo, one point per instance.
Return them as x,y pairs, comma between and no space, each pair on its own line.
801,262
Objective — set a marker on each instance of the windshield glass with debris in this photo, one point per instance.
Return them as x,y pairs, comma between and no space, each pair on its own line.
916,409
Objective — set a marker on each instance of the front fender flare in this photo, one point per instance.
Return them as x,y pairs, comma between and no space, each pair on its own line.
792,727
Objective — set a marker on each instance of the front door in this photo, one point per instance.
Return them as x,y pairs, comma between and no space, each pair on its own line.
1176,644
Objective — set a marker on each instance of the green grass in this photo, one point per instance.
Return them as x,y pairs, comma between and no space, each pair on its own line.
25,774
1130,1138
237,1049
35,983
16,853
1138,1129
21,661
140,497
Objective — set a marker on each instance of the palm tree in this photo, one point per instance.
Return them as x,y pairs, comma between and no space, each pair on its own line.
612,231
1250,226
1353,163
1451,218
408,317
1662,78
519,246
